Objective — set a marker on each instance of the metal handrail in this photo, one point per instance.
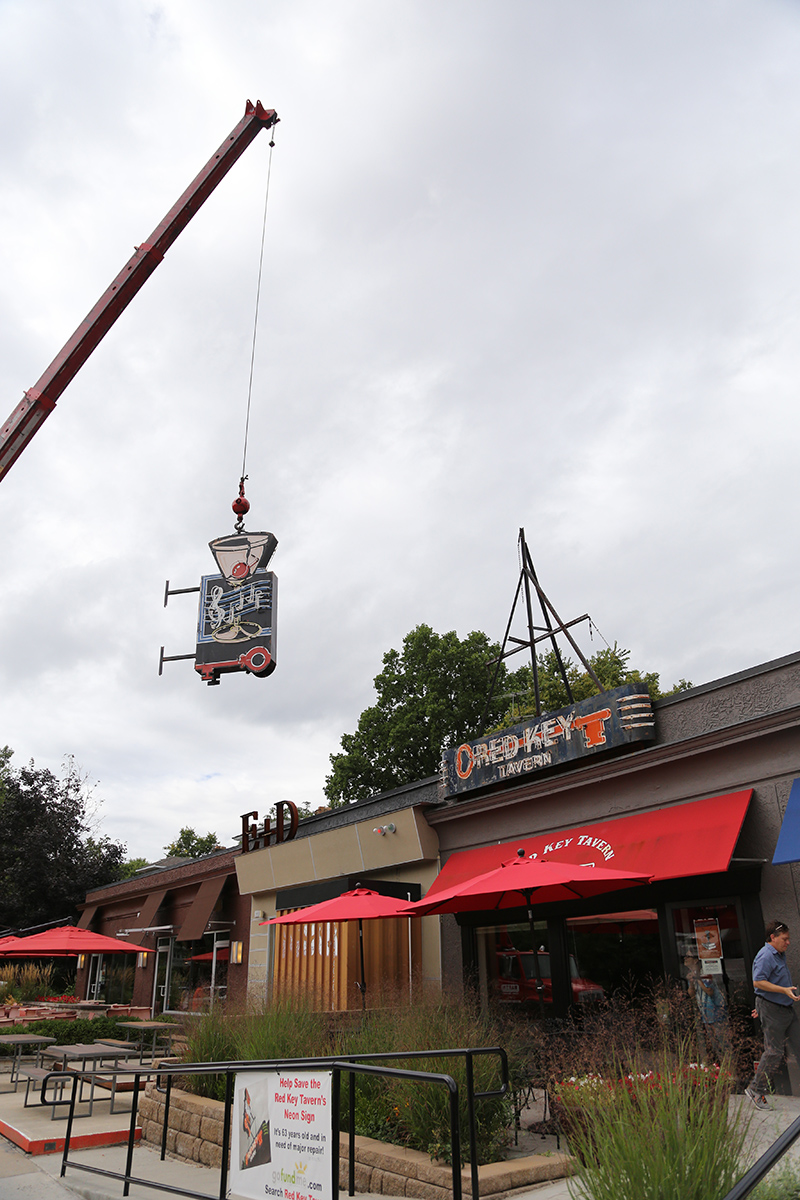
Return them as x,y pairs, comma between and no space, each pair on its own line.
468,1053
363,1068
765,1164
352,1064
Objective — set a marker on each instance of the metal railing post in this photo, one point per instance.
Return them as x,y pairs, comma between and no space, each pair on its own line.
126,1187
336,1095
473,1133
351,1133
70,1117
226,1133
455,1142
166,1117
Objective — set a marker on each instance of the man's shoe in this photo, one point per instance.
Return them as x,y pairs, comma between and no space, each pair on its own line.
758,1098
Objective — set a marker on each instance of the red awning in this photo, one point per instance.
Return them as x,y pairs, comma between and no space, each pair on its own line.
685,839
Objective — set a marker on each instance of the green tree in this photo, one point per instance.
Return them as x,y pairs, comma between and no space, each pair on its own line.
49,858
129,868
189,844
609,665
431,694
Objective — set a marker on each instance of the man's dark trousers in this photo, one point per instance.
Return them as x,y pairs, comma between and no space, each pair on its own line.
779,1024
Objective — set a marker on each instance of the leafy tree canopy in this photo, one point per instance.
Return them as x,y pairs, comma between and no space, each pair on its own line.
129,868
609,665
431,694
189,844
49,857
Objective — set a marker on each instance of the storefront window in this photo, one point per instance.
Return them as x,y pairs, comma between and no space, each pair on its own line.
195,974
613,951
711,932
507,965
110,979
709,947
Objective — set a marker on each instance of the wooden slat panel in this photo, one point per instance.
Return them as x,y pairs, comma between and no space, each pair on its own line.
320,961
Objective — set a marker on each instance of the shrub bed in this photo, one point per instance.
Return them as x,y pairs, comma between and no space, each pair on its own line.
395,1111
68,1033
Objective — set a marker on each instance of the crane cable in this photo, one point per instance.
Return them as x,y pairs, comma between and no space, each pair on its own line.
241,505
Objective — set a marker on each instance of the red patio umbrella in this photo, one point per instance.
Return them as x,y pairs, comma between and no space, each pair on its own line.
64,940
514,883
361,904
523,882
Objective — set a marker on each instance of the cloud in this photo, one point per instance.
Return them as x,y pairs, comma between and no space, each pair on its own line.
533,265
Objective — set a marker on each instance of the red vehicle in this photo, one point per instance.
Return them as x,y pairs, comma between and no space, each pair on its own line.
516,979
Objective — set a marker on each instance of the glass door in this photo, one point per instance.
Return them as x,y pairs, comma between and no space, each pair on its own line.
219,967
162,974
97,977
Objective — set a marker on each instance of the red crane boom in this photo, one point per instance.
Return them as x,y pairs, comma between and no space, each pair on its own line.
40,400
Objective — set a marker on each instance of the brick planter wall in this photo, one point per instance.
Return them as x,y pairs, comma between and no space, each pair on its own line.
195,1133
195,1125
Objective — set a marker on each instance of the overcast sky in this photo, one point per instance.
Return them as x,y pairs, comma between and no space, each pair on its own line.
527,263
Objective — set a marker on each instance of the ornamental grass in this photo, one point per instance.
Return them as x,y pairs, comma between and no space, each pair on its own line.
649,1041
660,1133
390,1110
418,1115
28,981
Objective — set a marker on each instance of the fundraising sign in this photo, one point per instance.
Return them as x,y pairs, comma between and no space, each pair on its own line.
281,1144
602,722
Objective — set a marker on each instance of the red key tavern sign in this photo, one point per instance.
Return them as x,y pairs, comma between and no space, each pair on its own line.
604,722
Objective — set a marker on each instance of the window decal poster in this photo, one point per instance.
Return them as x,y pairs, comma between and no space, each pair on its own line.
281,1137
709,944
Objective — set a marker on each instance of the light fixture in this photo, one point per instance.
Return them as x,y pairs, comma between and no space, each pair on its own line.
81,961
141,958
383,829
235,952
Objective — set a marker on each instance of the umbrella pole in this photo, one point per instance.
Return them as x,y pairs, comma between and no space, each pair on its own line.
539,984
362,987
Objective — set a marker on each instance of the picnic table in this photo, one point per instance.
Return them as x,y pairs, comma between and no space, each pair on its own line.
154,1027
80,1059
19,1041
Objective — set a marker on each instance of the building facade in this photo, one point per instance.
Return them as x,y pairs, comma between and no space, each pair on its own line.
191,925
697,807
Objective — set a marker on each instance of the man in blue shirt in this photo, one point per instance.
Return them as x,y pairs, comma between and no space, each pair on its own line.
775,1000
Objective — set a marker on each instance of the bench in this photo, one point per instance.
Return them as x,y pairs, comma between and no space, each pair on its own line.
40,1074
120,1045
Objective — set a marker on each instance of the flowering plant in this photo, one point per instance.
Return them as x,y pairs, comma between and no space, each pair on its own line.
579,1091
66,999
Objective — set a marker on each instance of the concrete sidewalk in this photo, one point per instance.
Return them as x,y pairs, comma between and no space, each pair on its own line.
26,1177
23,1177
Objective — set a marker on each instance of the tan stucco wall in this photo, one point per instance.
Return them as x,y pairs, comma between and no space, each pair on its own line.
409,855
